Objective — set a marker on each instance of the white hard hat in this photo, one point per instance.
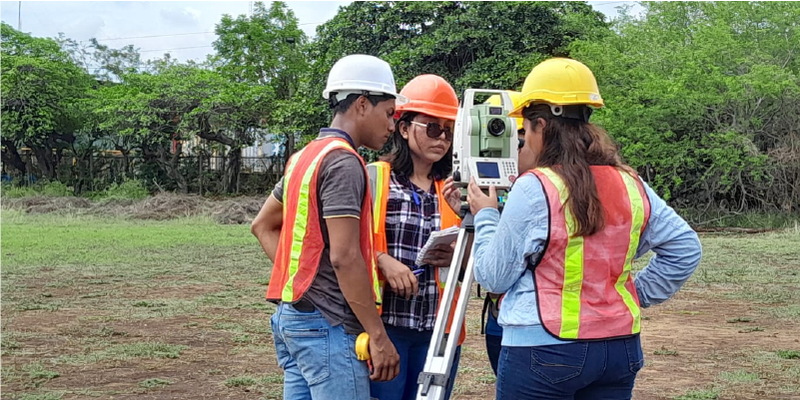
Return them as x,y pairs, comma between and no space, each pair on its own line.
362,74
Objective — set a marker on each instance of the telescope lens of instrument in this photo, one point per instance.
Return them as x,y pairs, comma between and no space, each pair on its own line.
496,127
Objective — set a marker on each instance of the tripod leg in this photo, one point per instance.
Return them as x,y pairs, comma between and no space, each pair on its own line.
441,352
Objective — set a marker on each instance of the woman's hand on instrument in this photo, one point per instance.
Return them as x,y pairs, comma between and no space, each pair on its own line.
440,255
401,279
453,196
478,200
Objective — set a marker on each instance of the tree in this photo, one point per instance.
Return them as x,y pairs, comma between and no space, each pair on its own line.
107,66
267,49
703,97
105,63
231,115
471,44
178,104
42,92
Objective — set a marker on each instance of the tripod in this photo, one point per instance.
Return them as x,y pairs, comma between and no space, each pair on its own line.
434,377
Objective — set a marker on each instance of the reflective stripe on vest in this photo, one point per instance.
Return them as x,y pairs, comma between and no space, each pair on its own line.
301,243
380,174
447,218
576,299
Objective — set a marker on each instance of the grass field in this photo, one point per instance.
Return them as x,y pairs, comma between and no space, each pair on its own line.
102,307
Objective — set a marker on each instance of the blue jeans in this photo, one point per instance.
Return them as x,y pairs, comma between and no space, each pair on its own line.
412,345
596,370
318,360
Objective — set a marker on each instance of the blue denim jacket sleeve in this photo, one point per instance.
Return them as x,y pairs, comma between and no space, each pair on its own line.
677,253
503,245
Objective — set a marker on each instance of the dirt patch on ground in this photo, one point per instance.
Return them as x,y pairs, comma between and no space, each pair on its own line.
82,290
164,206
211,351
687,342
169,335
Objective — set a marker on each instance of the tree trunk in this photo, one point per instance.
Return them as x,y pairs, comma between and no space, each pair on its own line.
233,160
83,164
174,169
233,165
126,161
168,162
85,173
11,157
45,161
289,148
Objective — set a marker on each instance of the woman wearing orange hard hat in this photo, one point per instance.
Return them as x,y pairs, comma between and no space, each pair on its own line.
411,201
562,249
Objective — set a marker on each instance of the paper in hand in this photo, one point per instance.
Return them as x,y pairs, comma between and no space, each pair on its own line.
446,236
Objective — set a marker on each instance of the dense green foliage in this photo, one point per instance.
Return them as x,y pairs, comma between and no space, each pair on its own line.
701,96
705,100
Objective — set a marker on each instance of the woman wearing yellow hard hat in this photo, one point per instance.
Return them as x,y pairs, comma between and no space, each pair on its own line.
570,228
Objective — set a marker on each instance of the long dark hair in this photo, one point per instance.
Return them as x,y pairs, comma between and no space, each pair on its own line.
570,147
400,153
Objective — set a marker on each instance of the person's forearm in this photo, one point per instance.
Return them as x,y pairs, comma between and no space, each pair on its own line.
266,226
269,240
356,287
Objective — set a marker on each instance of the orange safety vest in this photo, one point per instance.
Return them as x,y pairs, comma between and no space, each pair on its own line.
584,286
301,243
380,174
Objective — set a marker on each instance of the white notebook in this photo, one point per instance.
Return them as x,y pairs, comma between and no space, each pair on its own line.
445,236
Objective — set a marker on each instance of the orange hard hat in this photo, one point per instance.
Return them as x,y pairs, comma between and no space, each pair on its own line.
431,95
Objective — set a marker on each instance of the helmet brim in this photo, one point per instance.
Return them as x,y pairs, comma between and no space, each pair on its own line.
398,98
428,108
517,111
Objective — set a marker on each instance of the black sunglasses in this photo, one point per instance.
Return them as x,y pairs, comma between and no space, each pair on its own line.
521,143
434,130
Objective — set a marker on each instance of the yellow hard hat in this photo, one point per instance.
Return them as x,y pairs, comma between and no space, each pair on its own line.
559,81
495,101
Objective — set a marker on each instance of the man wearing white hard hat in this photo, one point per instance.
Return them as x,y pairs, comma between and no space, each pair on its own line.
316,227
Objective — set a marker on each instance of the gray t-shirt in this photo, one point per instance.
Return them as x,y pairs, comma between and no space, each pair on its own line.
340,188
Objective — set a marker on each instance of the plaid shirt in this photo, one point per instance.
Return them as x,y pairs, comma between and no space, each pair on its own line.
409,221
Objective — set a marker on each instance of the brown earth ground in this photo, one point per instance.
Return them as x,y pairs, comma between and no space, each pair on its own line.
168,335
705,344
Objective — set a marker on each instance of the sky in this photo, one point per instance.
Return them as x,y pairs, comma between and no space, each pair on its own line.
185,29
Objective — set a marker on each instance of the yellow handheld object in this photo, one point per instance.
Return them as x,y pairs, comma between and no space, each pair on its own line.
362,346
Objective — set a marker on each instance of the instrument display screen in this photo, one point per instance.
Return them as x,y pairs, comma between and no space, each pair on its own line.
488,170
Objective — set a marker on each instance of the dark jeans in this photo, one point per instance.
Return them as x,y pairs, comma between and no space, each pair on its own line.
493,348
494,336
596,370
412,345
